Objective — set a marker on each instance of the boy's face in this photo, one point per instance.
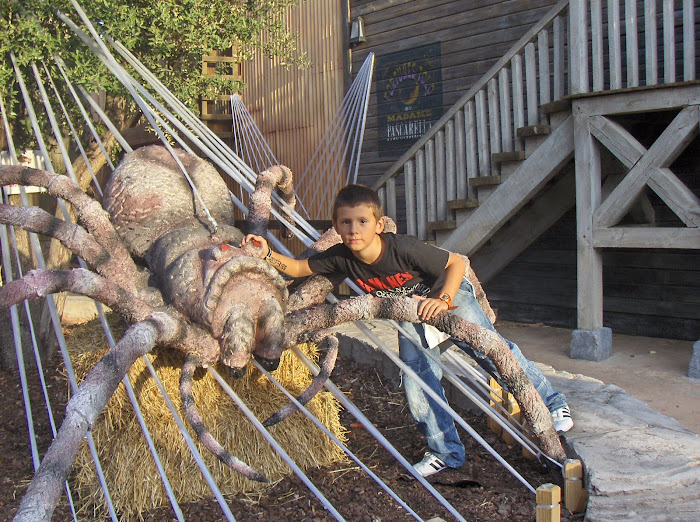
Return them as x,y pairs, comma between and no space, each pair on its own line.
358,228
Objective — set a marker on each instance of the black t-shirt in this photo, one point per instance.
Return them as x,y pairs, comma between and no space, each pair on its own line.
408,266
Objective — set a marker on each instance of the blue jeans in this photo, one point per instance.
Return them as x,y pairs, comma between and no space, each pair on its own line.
433,421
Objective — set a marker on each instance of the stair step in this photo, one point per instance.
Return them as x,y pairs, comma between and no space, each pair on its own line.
448,224
534,130
460,204
484,181
502,157
555,106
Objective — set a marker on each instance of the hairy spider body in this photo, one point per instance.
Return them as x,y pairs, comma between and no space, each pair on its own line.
239,299
201,294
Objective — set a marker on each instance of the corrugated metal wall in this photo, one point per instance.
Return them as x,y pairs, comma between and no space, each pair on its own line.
293,108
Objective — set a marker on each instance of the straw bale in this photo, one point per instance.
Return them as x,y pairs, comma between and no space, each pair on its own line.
131,474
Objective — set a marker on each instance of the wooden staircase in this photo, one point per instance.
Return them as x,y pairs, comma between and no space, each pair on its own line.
531,193
498,169
493,151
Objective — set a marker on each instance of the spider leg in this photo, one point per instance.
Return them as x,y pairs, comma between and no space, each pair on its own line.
279,177
317,383
84,408
90,213
310,292
479,338
36,284
204,436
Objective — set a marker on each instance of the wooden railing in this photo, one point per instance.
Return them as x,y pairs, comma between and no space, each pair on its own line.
598,29
575,49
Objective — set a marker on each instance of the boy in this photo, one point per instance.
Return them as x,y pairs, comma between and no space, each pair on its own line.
392,265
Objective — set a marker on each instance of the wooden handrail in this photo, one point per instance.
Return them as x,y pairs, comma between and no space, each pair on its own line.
480,84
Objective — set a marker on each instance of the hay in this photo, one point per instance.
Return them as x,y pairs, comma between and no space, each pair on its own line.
131,474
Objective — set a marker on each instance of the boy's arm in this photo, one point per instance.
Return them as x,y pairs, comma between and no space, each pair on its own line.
287,265
454,272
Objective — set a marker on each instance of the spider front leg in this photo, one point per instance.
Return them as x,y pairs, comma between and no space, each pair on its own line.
479,338
317,383
205,437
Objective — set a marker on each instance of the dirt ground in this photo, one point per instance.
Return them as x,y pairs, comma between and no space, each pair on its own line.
481,490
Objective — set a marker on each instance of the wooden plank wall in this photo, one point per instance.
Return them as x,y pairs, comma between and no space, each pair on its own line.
292,107
474,34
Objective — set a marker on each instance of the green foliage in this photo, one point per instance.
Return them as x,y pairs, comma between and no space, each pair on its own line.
168,36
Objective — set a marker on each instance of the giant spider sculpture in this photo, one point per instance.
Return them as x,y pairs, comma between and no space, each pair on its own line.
157,256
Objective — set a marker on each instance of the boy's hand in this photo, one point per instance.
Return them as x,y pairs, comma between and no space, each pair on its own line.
260,244
430,307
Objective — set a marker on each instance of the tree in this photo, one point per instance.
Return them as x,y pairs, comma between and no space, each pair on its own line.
169,37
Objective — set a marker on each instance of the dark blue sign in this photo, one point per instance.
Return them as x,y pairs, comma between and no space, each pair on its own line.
409,96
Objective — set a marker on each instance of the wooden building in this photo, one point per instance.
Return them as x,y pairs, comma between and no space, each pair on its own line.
554,143
561,154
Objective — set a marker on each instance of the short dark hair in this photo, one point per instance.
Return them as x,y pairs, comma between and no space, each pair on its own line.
353,195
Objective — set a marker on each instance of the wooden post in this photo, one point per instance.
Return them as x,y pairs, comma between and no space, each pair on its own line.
513,408
548,508
589,272
496,398
575,495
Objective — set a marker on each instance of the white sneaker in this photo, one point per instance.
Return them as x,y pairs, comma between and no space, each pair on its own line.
430,465
562,420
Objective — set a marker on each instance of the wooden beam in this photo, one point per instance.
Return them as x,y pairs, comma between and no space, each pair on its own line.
495,398
575,495
679,198
220,59
525,228
617,140
548,499
646,237
635,100
578,37
461,204
514,192
484,181
664,150
516,416
589,261
445,224
683,201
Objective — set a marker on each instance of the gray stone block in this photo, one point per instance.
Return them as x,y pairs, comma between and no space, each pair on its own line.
591,345
694,367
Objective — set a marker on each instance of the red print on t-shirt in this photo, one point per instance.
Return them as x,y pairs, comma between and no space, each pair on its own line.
384,283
